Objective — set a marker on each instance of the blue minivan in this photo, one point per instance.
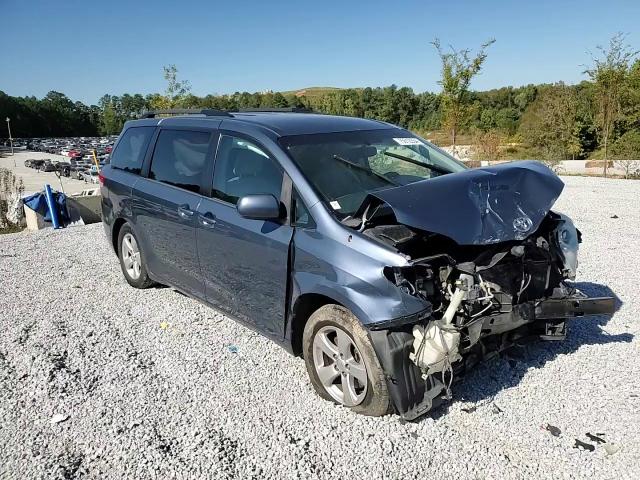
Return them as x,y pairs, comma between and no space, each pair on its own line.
385,263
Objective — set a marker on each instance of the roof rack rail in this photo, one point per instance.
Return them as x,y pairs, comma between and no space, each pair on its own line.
279,109
209,112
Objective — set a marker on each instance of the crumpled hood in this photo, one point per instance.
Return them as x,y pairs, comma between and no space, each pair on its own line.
478,206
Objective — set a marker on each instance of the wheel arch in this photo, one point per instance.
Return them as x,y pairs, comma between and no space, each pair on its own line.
308,303
115,231
304,306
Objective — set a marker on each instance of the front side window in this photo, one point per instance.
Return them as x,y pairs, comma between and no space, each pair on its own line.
180,158
131,149
344,167
243,168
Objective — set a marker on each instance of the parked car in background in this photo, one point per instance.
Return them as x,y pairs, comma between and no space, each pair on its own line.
70,147
74,170
64,169
37,164
90,176
48,166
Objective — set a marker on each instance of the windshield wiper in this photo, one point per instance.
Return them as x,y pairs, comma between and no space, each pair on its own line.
417,162
365,169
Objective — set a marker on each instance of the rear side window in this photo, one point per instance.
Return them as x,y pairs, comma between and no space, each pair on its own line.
131,149
180,158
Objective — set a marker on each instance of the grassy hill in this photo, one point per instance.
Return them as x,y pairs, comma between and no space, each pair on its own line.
311,91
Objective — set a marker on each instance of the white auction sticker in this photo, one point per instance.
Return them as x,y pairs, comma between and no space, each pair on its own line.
335,205
407,141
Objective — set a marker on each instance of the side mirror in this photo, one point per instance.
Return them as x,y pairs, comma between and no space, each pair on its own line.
259,207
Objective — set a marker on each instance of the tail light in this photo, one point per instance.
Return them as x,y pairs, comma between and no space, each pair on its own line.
101,178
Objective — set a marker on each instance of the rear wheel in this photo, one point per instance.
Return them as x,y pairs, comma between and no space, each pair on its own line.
341,362
132,259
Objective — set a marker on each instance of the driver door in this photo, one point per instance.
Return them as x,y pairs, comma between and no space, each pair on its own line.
244,262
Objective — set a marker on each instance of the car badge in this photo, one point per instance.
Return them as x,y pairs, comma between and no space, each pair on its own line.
522,224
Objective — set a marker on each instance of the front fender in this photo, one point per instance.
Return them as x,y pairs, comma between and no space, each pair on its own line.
350,277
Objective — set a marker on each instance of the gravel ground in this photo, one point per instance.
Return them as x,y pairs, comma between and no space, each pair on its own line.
146,386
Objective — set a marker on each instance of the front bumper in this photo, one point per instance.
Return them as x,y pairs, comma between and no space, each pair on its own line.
414,395
575,306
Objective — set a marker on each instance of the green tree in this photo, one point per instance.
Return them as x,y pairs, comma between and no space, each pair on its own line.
507,120
427,112
132,105
609,72
110,124
458,69
487,145
525,96
626,153
627,146
279,101
175,93
631,99
549,123
487,119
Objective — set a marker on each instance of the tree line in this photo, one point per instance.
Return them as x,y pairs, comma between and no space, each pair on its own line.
597,118
54,115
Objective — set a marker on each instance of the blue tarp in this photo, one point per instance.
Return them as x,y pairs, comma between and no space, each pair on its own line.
38,203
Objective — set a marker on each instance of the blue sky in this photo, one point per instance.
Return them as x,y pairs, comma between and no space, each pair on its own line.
88,48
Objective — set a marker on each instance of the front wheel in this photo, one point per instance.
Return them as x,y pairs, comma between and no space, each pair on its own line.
342,364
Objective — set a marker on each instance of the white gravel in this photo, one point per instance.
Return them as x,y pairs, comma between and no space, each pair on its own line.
100,380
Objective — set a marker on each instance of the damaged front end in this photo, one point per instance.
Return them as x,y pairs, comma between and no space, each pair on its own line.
501,282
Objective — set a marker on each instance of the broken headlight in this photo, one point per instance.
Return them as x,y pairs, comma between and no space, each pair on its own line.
568,240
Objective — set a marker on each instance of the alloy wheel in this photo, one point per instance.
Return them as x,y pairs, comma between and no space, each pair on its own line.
340,366
131,256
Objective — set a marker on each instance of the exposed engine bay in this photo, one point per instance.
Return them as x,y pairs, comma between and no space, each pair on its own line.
475,294
510,283
484,299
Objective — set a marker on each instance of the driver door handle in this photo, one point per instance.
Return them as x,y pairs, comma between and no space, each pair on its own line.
185,212
208,219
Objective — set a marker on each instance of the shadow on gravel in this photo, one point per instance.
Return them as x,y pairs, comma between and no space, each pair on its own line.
507,370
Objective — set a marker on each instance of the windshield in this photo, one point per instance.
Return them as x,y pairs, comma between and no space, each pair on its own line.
344,167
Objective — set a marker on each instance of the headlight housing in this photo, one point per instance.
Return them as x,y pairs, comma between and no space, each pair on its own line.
568,239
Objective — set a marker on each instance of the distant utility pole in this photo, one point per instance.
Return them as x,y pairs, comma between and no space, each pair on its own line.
11,139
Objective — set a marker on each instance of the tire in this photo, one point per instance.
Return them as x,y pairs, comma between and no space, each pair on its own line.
325,324
128,243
